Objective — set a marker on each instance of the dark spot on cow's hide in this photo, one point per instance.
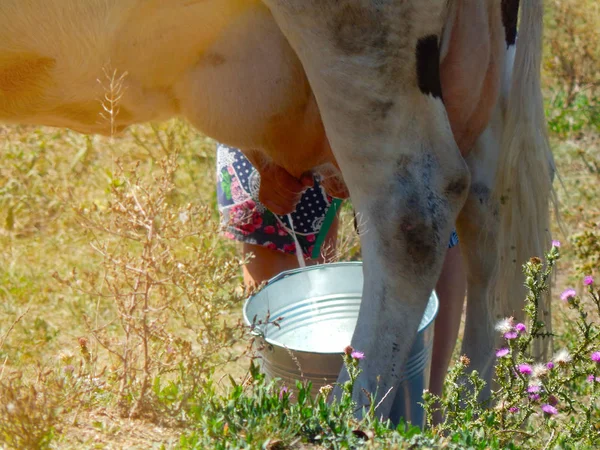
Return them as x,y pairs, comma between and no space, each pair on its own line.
456,187
421,243
428,66
481,192
402,166
383,295
212,59
418,213
510,16
357,28
380,109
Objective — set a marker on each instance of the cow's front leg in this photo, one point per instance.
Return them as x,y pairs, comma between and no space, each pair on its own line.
406,221
374,69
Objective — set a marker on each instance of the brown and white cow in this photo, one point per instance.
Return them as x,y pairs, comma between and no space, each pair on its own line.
411,99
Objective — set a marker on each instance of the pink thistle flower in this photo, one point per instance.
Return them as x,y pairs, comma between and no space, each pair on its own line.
534,397
358,355
513,409
521,328
556,244
549,410
525,369
591,378
595,356
588,280
511,335
533,388
284,390
568,294
550,365
501,353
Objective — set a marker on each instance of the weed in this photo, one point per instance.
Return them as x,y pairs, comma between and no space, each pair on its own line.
537,404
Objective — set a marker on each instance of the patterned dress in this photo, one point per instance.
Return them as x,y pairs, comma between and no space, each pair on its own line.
247,220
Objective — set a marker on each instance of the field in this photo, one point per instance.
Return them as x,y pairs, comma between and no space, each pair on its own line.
120,305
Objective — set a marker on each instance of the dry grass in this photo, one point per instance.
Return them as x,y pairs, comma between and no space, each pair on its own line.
117,298
112,278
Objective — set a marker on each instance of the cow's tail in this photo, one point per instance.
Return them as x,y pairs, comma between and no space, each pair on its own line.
525,172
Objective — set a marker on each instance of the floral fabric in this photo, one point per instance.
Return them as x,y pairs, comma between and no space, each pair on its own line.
245,219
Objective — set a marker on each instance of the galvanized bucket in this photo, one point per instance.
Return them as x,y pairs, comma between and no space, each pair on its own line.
319,308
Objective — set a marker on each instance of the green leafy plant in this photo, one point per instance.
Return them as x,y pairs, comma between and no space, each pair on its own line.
537,404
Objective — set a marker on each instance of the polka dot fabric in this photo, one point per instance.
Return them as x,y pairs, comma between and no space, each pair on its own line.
245,219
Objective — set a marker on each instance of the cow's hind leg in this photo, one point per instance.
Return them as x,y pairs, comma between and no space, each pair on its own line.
478,230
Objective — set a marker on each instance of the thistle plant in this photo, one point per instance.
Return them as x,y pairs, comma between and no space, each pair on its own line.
536,403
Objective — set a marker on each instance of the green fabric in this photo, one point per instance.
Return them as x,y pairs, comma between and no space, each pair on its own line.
327,222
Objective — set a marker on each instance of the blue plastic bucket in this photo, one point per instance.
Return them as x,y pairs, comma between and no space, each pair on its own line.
318,307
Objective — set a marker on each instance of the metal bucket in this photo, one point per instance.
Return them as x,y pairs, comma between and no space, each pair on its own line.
319,308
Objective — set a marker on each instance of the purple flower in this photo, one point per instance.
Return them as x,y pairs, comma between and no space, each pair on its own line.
511,335
358,355
590,378
513,409
501,353
549,410
525,369
520,327
533,388
550,365
284,390
568,294
534,397
556,244
588,280
595,357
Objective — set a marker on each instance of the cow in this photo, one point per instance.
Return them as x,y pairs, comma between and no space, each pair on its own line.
412,106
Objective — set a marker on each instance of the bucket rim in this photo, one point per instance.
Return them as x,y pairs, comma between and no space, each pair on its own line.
433,297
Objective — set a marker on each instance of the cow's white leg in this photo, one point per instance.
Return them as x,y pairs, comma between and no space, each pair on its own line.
374,71
478,231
